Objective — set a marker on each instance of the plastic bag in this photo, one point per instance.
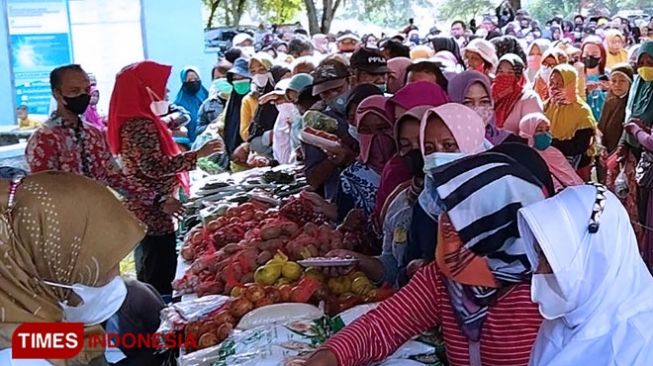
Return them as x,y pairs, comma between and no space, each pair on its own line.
621,184
320,121
175,317
279,313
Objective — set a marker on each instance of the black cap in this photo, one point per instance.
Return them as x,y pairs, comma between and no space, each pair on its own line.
329,76
369,60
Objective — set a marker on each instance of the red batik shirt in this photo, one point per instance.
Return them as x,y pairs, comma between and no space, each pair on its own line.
82,150
148,167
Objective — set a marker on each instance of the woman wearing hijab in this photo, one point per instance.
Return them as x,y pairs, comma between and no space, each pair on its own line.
472,89
509,45
191,96
427,70
397,170
360,181
480,55
550,59
91,115
614,111
512,100
397,75
572,123
590,283
615,43
477,289
612,119
639,116
259,68
59,230
594,60
396,211
556,32
260,134
153,162
535,56
240,78
441,43
423,229
535,127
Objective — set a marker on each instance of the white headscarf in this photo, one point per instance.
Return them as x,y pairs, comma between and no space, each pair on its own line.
601,276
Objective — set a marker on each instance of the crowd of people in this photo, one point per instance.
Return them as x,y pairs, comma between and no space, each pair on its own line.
468,155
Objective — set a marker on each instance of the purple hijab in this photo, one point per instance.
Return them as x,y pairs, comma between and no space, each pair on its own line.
458,87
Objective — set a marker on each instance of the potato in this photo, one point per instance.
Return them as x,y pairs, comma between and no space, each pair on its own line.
289,228
270,232
224,331
187,253
208,340
263,257
207,326
271,245
223,316
231,248
192,330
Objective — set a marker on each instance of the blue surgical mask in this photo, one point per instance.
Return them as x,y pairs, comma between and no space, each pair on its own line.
437,159
382,87
542,140
429,200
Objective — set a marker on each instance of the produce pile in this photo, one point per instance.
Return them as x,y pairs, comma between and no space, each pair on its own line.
251,253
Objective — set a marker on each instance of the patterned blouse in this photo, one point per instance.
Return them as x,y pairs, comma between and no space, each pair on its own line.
82,150
148,167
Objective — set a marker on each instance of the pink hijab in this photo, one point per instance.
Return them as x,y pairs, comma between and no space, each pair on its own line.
413,95
561,171
92,116
397,78
466,126
376,154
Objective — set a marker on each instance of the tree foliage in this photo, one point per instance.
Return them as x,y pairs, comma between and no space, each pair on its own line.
279,11
544,10
386,13
465,9
224,12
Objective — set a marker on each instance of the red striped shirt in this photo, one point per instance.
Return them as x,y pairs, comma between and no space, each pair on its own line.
507,337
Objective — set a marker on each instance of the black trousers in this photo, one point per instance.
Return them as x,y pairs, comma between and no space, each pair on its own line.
158,262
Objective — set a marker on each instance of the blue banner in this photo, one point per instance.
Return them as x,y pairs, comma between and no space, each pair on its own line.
40,41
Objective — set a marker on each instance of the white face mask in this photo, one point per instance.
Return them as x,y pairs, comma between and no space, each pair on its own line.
158,106
545,73
437,159
546,292
248,50
260,80
353,131
98,303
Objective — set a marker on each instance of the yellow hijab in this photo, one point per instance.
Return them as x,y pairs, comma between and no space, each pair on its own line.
618,58
63,228
566,119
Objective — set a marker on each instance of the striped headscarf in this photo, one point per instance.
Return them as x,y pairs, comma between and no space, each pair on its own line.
479,250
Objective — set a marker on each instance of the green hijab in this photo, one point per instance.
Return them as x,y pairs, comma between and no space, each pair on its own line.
640,102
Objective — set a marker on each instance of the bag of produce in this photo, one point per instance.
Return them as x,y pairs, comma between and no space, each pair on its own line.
175,317
320,121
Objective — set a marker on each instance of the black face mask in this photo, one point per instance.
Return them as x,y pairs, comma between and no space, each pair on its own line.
192,87
591,62
415,162
77,104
